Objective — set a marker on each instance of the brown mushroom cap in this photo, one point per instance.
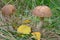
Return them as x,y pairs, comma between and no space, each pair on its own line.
8,9
42,11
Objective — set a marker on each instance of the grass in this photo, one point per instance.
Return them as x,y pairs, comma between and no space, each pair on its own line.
23,11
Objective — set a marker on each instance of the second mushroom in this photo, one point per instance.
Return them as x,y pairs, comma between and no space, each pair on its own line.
42,12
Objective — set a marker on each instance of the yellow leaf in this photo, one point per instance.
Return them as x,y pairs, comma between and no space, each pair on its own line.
37,35
26,21
24,29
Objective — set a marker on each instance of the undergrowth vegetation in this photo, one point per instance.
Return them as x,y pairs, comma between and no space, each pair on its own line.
24,16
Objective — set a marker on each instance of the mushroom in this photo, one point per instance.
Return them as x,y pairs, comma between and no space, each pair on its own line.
7,10
41,11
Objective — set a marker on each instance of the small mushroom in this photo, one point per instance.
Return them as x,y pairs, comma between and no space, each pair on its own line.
41,11
7,10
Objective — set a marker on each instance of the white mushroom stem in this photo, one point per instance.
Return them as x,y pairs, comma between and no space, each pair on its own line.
41,23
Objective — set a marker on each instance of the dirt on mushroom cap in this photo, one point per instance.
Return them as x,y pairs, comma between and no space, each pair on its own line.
42,11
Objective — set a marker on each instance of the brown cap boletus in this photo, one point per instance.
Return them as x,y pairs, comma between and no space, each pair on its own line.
7,10
42,11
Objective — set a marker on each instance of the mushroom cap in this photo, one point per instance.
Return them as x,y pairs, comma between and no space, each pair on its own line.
8,9
42,11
